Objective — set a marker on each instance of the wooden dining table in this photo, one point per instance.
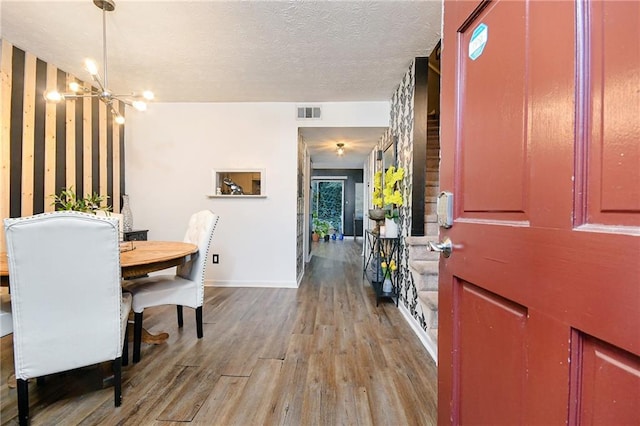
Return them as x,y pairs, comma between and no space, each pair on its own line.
151,256
137,257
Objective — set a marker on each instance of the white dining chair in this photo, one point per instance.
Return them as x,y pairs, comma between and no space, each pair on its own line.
185,288
68,307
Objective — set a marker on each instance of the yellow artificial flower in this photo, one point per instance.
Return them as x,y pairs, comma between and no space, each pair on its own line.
390,195
387,269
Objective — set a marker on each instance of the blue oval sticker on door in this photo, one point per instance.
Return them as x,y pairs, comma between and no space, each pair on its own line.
478,41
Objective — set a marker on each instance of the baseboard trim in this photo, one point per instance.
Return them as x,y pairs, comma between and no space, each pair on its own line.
257,284
425,339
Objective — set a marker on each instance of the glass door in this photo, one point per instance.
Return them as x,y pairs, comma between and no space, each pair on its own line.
327,203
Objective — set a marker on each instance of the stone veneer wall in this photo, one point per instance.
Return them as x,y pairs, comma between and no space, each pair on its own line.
401,127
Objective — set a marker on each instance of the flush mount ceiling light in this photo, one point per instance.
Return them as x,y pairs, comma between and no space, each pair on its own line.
340,149
102,92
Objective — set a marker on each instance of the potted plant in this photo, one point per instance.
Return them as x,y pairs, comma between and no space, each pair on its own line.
320,228
68,200
315,236
323,229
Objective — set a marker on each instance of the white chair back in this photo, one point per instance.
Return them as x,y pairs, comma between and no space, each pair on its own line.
64,269
118,216
199,232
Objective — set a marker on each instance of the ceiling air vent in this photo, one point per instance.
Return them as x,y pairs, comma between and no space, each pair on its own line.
309,113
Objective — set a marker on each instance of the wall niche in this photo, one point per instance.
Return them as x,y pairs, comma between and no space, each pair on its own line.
238,183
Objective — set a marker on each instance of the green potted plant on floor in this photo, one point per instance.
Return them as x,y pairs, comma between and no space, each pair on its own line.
320,228
315,236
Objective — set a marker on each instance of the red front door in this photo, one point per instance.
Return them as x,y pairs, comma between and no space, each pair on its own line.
540,299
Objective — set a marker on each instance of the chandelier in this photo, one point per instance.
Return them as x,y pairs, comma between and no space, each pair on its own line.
102,92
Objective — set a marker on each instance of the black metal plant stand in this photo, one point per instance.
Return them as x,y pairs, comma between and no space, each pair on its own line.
381,249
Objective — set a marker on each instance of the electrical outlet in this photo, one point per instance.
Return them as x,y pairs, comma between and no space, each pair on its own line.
216,258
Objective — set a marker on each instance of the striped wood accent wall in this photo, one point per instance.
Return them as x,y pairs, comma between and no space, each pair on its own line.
47,147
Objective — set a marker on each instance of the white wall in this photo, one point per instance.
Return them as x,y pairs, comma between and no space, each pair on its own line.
171,150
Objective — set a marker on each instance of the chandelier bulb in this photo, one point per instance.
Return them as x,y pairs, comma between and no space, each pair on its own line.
139,105
148,95
53,96
119,119
91,67
74,87
340,149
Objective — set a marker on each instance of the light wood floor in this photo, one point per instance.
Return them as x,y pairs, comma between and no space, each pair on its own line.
323,354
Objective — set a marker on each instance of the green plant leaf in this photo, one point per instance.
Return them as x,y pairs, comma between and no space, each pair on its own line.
67,199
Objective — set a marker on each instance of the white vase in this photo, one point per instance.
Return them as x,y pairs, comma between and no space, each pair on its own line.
390,228
127,217
387,286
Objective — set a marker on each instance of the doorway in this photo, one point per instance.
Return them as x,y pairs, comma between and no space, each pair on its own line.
327,207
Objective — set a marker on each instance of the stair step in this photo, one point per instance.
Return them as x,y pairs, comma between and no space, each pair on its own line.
429,302
433,334
433,163
429,299
431,228
431,191
425,267
421,252
424,273
422,241
418,250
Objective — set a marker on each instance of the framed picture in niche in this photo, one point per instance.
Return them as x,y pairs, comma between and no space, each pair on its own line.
238,183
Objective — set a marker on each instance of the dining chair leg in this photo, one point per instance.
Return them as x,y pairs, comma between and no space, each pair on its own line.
199,321
125,347
137,336
23,402
117,381
180,320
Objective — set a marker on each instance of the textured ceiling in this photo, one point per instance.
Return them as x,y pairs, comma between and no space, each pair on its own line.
233,51
358,143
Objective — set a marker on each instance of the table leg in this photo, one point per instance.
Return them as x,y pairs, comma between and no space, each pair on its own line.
151,339
154,339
